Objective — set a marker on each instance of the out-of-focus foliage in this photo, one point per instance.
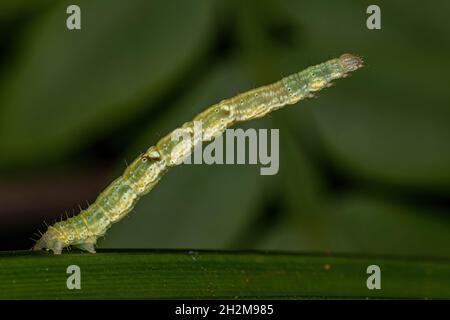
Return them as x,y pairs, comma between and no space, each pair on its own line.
364,168
82,83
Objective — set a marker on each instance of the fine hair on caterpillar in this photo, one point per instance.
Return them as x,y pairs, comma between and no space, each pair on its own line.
120,197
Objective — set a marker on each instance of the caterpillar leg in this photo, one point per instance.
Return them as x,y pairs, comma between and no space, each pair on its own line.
56,246
50,241
87,245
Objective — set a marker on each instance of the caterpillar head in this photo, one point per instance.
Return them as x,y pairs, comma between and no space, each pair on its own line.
350,62
50,240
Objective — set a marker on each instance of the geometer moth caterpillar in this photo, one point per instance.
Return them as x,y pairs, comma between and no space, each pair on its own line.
119,198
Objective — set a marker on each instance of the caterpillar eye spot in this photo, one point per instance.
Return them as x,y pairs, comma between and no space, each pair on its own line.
216,110
144,159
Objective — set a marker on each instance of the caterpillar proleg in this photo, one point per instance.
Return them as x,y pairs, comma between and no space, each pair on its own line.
119,198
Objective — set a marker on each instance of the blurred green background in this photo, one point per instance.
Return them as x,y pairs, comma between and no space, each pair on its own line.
365,168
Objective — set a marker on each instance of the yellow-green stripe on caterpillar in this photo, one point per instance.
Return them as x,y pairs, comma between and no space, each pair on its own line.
119,198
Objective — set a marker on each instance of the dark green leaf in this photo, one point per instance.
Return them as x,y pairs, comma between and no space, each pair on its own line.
147,274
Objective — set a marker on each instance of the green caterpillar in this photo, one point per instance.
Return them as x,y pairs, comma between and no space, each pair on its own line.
119,198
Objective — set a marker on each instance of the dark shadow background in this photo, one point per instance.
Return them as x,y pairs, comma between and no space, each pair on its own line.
365,168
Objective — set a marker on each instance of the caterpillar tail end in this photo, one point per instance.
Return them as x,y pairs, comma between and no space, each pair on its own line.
49,241
351,62
87,246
